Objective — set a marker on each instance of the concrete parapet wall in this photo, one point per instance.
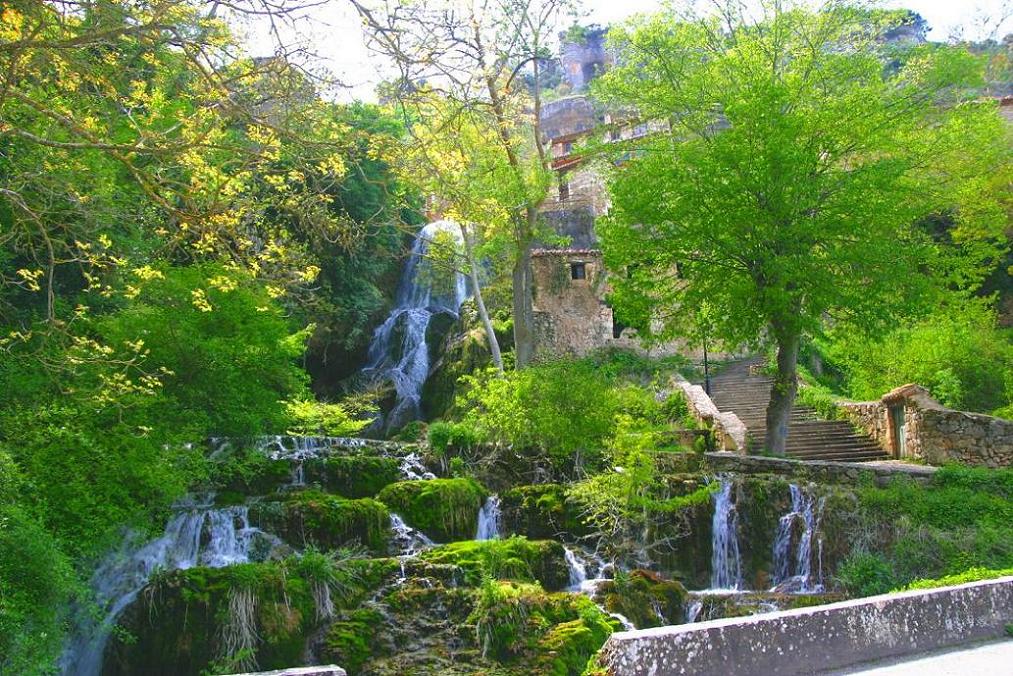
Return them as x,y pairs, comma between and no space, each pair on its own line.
822,638
817,470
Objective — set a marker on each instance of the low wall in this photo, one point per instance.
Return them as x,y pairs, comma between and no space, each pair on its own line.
936,434
729,432
817,639
817,470
329,670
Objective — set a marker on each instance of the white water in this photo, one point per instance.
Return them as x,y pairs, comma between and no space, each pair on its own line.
693,609
726,563
413,469
488,519
198,534
398,351
793,569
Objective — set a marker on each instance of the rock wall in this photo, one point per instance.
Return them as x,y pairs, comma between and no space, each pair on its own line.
933,433
823,471
571,316
814,640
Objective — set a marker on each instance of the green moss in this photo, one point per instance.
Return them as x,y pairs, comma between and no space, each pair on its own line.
327,521
541,511
555,632
349,641
645,598
178,622
354,476
515,558
444,509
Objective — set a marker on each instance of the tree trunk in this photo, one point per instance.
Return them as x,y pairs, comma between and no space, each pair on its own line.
783,391
490,334
524,335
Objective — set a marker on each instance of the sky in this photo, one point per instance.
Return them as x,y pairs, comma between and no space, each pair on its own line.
333,33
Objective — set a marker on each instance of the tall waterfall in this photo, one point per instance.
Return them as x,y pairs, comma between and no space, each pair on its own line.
398,351
793,565
488,519
726,564
198,534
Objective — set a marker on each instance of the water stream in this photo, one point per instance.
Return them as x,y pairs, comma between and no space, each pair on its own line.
197,534
793,546
488,519
726,562
398,351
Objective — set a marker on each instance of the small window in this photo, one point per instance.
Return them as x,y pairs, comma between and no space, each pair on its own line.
578,271
564,191
567,147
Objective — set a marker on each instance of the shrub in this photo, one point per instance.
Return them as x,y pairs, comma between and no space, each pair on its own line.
866,574
970,575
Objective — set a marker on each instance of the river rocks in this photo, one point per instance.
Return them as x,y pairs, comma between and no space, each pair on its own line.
444,509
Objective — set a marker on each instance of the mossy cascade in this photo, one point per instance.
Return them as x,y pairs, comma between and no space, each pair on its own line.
311,517
444,509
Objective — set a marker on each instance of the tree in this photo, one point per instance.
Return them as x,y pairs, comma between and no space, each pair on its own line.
471,53
791,160
452,154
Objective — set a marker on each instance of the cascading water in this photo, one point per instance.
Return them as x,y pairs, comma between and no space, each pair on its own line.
413,469
399,352
693,609
488,519
198,534
726,564
793,569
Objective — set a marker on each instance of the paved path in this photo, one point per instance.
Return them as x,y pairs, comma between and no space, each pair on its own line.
994,658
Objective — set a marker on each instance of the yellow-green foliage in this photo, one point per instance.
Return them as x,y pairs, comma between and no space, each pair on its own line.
444,509
970,575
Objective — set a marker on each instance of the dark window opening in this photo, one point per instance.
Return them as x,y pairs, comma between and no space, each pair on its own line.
617,328
577,271
567,147
564,190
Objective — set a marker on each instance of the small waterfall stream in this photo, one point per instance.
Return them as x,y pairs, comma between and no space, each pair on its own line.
488,519
793,566
398,351
198,534
726,563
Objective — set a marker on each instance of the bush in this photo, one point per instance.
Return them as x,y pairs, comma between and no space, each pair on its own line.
446,436
959,353
970,575
866,574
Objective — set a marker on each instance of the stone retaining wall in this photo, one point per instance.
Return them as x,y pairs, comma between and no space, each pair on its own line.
933,433
818,639
817,470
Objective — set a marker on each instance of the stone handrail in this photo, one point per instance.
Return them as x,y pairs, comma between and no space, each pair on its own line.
729,430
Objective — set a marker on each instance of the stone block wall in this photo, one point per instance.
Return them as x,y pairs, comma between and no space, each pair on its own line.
571,315
933,433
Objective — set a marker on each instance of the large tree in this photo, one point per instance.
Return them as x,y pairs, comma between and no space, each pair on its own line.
793,152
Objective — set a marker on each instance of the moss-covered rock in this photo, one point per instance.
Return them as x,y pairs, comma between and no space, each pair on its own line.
184,622
444,509
645,598
515,558
349,641
353,476
327,521
541,511
555,633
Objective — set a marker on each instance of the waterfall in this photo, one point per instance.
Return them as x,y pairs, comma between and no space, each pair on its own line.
406,539
726,564
198,534
413,469
578,571
793,564
693,609
488,519
398,351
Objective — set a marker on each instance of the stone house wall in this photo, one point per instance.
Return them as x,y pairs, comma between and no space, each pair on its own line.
571,316
933,433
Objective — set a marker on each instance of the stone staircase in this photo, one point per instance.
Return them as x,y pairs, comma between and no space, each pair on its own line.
741,389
